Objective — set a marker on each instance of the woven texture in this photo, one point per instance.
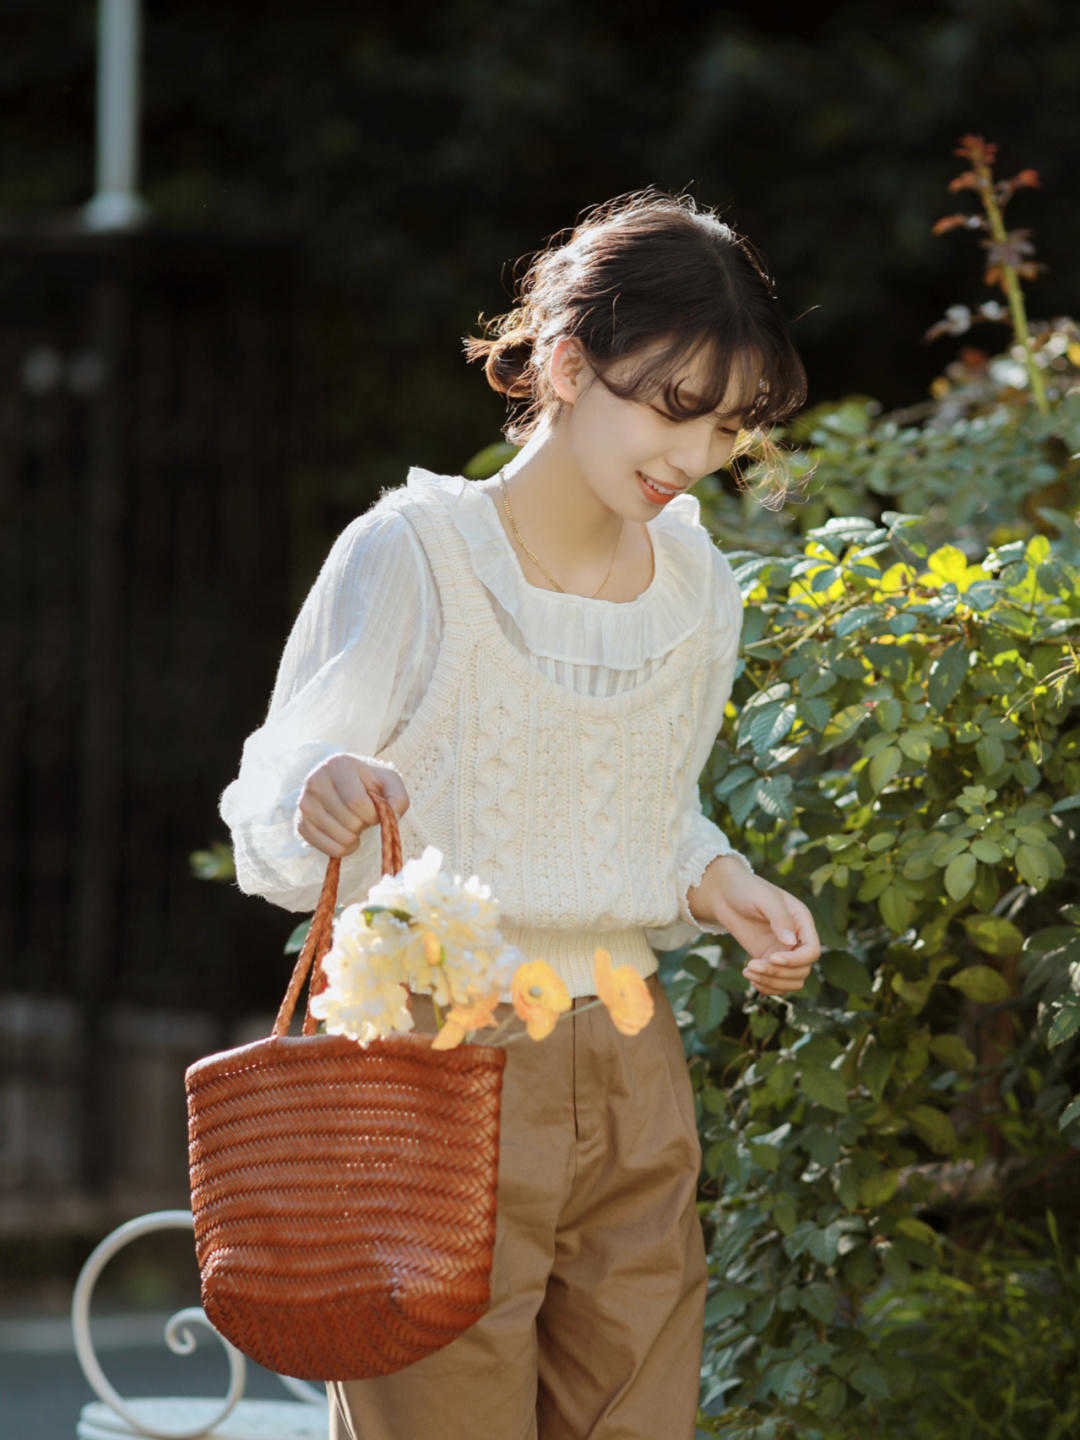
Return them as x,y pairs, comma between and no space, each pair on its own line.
344,1196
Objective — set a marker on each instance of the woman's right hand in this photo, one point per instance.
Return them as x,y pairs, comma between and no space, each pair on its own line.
334,806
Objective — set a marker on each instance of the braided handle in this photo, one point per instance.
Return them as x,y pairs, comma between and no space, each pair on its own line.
320,931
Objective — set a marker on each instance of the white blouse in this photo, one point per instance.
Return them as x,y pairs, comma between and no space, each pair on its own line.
370,629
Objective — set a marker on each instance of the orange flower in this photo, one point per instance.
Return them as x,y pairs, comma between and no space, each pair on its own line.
623,992
477,1015
540,997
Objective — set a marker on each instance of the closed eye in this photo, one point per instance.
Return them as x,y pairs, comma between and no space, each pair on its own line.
675,420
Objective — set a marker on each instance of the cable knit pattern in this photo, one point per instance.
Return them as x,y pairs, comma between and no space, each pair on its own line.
566,782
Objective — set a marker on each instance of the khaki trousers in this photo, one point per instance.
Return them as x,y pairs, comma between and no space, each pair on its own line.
596,1321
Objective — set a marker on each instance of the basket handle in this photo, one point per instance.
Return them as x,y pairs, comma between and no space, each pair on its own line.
320,931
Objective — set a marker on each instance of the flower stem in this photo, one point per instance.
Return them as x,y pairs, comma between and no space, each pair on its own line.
579,1011
1011,284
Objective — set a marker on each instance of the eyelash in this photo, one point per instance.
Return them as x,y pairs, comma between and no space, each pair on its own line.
676,421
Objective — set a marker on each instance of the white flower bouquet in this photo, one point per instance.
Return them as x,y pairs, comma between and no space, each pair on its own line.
425,930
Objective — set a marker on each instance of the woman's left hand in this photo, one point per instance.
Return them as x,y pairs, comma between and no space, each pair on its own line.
774,927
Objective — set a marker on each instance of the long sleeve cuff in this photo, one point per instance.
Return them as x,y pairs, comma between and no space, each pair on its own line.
693,866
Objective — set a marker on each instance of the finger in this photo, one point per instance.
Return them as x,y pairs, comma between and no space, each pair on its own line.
326,824
319,840
775,986
783,925
800,959
773,974
807,931
351,796
348,800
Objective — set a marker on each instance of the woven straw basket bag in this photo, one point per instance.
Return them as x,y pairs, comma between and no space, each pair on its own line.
344,1196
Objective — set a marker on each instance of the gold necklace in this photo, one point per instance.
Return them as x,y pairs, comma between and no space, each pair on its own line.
532,557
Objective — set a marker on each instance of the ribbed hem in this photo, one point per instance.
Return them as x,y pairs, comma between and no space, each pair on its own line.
570,952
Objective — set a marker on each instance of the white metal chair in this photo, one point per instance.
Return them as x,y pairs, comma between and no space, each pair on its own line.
111,1417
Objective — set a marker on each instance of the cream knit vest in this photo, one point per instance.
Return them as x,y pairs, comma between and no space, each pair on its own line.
566,804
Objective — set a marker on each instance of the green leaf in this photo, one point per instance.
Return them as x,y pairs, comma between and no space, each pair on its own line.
774,795
831,1398
709,1005
879,1188
991,753
845,972
825,1087
916,745
935,1127
819,1300
917,1230
1066,1023
815,711
732,780
856,617
767,1156
952,1051
883,767
1070,1113
1032,865
981,983
870,1379
960,875
889,713
993,934
783,1214
897,910
769,726
875,1067
295,943
947,675
986,851
725,1303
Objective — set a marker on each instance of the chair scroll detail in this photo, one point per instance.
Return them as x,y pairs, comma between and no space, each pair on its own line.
178,1418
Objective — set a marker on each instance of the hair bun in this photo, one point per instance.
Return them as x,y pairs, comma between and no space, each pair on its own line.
508,361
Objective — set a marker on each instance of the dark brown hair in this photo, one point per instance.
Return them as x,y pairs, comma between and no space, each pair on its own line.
645,267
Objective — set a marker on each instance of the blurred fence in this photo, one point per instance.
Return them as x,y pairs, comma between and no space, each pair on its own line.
150,418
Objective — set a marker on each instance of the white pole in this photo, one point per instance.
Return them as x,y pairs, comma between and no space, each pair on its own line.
115,204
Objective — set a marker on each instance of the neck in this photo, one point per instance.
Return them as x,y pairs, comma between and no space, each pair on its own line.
558,513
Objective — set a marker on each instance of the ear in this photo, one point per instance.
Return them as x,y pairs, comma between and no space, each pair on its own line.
568,368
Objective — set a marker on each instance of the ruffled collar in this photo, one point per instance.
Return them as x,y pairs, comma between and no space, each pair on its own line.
620,635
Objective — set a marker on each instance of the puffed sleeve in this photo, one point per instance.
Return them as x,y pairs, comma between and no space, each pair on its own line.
358,657
700,839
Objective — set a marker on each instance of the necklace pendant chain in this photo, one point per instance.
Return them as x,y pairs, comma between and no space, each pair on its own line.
536,562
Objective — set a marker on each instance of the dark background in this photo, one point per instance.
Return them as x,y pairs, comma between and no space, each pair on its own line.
419,150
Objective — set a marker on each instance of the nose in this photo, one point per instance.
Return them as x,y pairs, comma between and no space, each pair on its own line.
690,458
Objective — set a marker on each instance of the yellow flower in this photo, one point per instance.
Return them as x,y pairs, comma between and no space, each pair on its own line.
624,994
540,997
476,1015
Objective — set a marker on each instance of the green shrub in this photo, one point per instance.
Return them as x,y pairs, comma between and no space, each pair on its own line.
905,753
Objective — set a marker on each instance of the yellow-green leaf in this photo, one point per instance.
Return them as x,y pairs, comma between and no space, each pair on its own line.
1032,865
993,934
952,1051
883,767
948,562
960,874
879,1189
935,1127
917,1230
981,983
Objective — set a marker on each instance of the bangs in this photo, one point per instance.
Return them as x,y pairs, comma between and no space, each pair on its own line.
768,386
